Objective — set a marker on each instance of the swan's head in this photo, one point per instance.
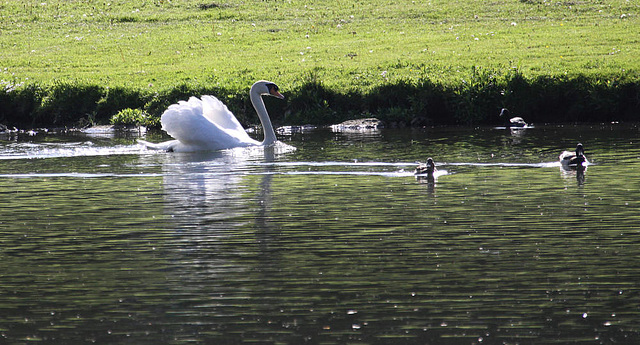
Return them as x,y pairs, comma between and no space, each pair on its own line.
267,88
504,112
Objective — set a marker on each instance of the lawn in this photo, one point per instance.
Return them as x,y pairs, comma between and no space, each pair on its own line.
349,49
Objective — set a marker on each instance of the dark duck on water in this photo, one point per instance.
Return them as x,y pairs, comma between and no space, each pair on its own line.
576,160
426,169
514,122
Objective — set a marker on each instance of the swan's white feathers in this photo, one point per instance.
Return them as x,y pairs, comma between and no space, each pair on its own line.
218,113
204,123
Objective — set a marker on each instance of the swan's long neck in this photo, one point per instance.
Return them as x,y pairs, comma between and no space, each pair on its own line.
267,127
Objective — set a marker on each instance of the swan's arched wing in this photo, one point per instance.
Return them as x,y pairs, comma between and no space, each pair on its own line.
186,122
217,112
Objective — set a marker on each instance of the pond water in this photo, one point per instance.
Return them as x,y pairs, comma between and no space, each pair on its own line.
102,241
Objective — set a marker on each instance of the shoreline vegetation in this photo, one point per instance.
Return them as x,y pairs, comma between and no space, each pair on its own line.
406,63
403,104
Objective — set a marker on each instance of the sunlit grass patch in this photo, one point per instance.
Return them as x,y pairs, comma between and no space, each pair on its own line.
352,47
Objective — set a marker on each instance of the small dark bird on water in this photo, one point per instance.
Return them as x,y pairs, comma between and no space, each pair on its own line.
514,122
576,160
429,168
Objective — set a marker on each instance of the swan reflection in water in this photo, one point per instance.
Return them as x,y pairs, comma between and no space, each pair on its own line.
207,193
218,205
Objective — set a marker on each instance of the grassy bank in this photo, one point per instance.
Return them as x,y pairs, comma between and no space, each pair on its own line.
426,62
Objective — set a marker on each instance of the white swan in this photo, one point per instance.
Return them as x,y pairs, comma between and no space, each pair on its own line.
207,124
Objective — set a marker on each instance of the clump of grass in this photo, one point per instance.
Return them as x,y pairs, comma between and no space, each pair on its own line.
64,102
312,102
407,102
133,117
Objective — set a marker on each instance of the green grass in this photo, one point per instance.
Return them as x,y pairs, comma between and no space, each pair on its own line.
349,49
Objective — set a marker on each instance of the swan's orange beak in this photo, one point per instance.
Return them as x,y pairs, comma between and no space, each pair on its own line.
275,93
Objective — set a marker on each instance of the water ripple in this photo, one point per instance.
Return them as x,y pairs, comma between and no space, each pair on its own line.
335,243
19,151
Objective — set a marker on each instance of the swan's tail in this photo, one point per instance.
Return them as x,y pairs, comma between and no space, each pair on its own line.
164,146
